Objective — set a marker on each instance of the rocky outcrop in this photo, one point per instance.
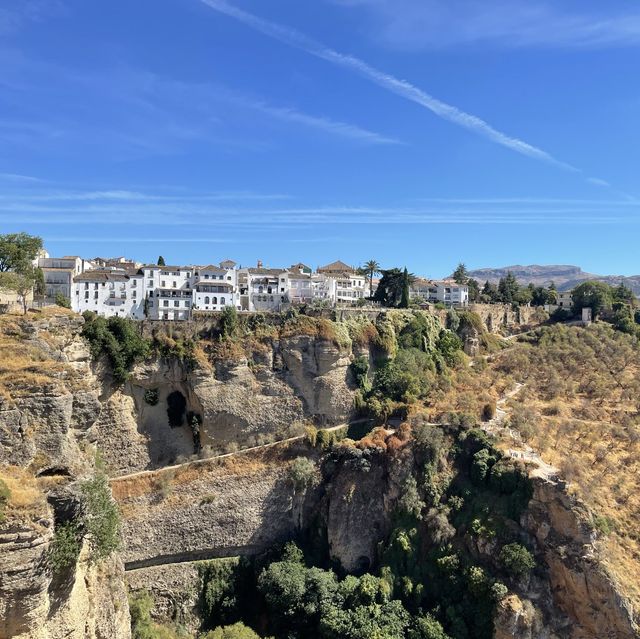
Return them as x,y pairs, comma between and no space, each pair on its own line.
239,402
47,417
580,585
86,601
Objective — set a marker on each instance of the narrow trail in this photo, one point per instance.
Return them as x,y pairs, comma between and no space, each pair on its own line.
519,448
189,556
205,460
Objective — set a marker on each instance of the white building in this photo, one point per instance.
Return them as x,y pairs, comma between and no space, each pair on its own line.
448,292
59,273
260,289
215,287
109,293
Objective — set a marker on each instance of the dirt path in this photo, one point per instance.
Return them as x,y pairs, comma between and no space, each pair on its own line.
205,460
518,449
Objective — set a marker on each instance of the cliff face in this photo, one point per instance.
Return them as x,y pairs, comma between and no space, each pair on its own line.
48,405
240,402
581,587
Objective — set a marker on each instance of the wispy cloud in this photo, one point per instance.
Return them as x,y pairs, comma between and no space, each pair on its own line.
136,210
333,127
16,17
16,177
387,81
416,24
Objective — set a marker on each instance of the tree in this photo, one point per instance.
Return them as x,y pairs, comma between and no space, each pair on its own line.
474,290
517,560
622,293
161,261
461,275
18,251
390,287
404,300
370,269
508,288
63,301
21,283
236,631
594,295
489,293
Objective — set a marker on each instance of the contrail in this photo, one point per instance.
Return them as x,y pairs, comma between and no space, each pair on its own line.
395,85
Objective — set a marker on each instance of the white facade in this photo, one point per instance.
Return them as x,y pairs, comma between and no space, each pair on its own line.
107,293
446,291
59,273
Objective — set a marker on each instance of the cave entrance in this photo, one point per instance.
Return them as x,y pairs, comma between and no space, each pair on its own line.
176,409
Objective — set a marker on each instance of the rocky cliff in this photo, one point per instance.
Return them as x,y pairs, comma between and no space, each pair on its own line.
49,401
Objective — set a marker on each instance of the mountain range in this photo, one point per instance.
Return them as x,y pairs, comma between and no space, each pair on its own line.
565,277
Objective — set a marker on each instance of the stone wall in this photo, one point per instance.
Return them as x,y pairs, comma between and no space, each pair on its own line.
240,504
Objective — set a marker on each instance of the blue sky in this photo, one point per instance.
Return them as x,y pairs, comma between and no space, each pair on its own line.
415,132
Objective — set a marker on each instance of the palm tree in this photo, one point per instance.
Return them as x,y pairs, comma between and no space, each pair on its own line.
370,269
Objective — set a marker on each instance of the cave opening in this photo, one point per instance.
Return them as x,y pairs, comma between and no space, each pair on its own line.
176,409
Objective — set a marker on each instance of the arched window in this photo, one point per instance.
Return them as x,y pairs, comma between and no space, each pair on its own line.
260,289
222,301
206,300
215,300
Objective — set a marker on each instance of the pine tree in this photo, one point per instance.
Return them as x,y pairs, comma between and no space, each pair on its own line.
161,261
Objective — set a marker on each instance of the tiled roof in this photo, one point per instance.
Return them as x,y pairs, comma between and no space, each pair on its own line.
335,266
211,268
265,271
101,276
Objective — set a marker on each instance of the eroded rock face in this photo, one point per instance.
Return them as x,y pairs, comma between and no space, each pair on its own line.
45,431
580,585
241,402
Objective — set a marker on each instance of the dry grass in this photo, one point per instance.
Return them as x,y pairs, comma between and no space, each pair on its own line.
23,364
26,499
580,410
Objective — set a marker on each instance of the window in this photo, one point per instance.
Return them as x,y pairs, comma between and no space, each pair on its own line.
214,300
133,294
269,289
86,295
174,285
165,303
150,303
207,300
222,300
176,303
187,303
150,283
134,283
163,283
260,289
95,295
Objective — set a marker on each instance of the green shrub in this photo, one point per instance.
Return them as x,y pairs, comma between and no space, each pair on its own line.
101,518
301,472
119,339
151,396
489,411
229,322
5,494
63,301
360,370
516,560
67,542
604,525
236,631
221,585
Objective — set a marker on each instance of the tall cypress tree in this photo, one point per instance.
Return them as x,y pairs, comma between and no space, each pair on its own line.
404,300
161,261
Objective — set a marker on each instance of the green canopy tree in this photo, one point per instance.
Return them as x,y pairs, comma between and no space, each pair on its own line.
508,288
18,251
391,285
595,295
461,275
474,290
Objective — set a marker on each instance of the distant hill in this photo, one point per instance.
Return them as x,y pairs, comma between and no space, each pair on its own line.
565,277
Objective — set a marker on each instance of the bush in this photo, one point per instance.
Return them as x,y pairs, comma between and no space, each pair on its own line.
63,301
301,472
151,396
101,519
488,411
119,339
67,542
517,560
604,525
229,322
221,581
360,370
5,493
236,631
